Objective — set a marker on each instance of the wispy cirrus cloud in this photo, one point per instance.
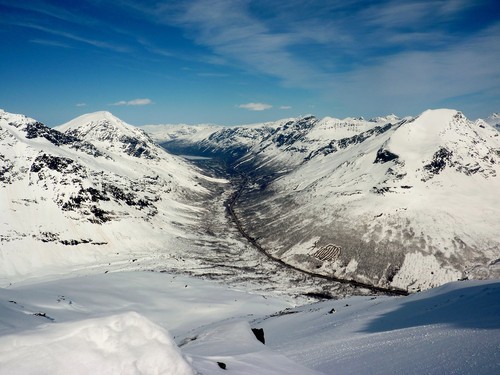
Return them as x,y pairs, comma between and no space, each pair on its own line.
81,104
209,74
279,43
383,56
50,43
47,10
255,106
71,36
285,107
416,80
239,38
144,101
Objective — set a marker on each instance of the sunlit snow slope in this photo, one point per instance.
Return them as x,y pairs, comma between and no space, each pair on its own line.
99,191
144,322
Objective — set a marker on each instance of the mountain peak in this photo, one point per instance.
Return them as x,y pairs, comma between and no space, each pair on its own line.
19,119
100,115
111,133
92,119
494,120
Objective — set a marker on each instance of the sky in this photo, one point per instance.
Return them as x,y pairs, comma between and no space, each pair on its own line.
239,61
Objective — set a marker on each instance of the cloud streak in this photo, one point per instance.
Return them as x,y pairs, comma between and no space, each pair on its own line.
134,102
50,43
77,38
255,106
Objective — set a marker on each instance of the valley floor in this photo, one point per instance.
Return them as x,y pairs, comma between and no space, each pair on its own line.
215,249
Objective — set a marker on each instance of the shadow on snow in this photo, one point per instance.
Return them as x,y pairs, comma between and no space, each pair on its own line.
473,307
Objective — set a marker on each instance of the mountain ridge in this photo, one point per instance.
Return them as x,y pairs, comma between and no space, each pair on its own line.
370,187
401,199
61,191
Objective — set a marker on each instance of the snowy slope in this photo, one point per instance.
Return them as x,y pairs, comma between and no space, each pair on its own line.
400,202
143,322
493,120
167,132
420,195
453,329
96,192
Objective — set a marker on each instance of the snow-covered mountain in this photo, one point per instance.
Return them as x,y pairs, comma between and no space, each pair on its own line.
494,120
407,203
112,134
168,132
98,190
78,206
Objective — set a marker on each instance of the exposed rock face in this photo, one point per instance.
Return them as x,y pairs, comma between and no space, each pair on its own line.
259,334
383,156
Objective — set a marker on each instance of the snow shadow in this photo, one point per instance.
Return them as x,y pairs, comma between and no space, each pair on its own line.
477,306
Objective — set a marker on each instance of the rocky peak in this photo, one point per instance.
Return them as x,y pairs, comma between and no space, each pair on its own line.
113,134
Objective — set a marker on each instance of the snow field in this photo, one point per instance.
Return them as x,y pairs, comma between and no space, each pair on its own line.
122,323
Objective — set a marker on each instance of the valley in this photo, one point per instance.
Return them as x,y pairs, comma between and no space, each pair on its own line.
356,200
322,207
222,166
229,255
169,261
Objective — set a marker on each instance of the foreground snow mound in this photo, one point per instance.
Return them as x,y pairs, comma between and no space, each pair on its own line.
84,325
205,319
120,344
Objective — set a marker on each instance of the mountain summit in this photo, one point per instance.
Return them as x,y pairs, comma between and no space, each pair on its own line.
111,133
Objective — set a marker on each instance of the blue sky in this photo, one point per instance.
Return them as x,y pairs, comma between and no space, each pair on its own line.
232,62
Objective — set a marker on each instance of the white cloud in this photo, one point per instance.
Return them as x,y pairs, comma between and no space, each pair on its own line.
81,104
285,107
236,35
144,101
255,106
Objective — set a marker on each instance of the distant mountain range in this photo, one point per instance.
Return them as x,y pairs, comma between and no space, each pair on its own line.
407,203
401,202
